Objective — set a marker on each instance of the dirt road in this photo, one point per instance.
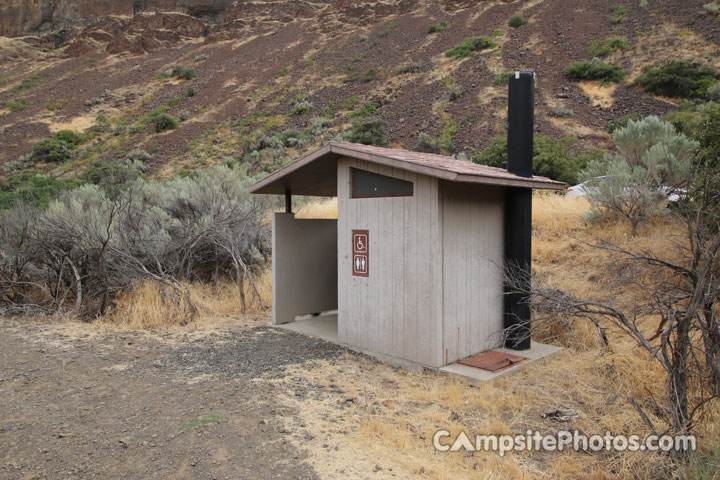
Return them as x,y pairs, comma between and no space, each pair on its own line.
87,403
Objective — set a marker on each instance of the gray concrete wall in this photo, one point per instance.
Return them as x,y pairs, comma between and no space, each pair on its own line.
304,265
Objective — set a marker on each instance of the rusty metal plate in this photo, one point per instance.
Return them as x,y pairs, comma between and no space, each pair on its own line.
493,361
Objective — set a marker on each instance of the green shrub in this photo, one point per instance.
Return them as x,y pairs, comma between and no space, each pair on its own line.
369,131
560,111
190,92
617,12
183,73
71,138
622,122
31,82
387,28
678,79
409,67
319,126
53,104
713,8
139,155
302,107
201,57
15,105
454,92
498,33
27,187
552,157
164,122
113,177
15,166
439,27
369,76
594,70
365,111
90,102
427,144
650,155
51,150
503,79
701,123
264,142
516,21
447,136
470,46
605,46
350,103
282,72
292,138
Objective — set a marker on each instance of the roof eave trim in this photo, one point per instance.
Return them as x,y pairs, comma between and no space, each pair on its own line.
512,182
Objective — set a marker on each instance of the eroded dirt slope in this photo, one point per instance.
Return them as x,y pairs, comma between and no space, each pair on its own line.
255,61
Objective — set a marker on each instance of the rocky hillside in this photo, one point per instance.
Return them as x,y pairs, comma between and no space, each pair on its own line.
305,70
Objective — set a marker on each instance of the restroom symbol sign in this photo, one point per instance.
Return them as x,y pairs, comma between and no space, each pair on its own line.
361,257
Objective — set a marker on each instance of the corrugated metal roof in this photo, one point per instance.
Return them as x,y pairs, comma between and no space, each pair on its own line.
315,174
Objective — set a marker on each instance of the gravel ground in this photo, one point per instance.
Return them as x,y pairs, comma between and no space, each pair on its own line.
80,403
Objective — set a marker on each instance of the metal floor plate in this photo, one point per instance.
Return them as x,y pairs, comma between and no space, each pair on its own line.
493,361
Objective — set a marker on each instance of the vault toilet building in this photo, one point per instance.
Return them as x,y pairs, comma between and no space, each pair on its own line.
414,262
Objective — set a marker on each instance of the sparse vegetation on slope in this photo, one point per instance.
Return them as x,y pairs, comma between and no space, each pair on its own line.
439,27
516,21
606,46
369,131
680,79
594,70
470,47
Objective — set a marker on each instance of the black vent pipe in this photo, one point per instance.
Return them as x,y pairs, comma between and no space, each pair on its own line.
518,210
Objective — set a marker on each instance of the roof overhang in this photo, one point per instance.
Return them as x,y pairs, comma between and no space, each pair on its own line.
316,173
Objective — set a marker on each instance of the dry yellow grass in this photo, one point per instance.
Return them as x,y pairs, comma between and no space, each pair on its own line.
393,413
371,414
599,93
319,209
151,305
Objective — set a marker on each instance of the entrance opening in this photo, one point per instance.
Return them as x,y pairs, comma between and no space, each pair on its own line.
305,269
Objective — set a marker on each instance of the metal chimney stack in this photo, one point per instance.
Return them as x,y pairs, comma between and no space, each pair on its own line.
518,209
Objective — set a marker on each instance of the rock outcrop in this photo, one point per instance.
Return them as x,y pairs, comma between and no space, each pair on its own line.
31,17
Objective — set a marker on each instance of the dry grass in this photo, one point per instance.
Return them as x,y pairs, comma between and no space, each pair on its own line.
372,414
319,209
599,93
150,305
365,414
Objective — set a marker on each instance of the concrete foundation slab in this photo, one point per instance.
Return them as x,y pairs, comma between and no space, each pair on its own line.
326,327
323,326
536,352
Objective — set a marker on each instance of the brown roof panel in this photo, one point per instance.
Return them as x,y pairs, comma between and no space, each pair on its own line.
315,174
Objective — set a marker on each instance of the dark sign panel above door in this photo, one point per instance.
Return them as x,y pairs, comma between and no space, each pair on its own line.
361,253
